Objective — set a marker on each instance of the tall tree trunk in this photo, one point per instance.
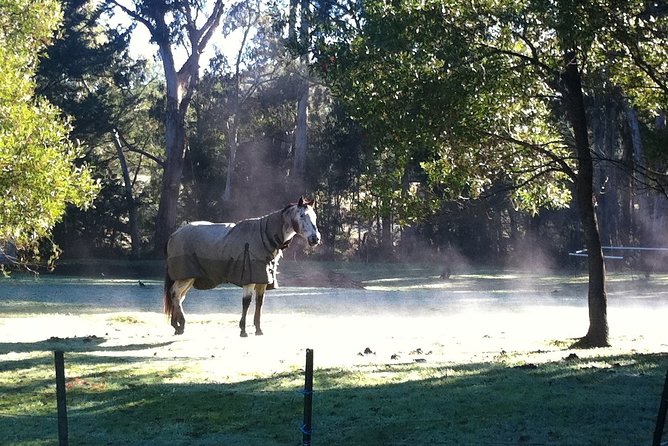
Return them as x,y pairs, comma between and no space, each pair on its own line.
301,128
233,145
301,134
630,134
175,142
628,230
597,335
385,217
642,212
235,111
133,222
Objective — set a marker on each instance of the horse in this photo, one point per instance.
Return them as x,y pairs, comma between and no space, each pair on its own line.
204,254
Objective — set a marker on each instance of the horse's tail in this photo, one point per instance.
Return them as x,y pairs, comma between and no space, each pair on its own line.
168,304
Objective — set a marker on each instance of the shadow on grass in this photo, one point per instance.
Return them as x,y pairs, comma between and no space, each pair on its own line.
610,400
85,344
73,344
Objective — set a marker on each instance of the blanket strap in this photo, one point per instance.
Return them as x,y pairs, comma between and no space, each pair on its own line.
245,262
274,241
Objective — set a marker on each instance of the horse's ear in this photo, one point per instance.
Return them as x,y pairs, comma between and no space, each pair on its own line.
303,202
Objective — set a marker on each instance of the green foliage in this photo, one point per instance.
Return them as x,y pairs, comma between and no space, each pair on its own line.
635,50
37,161
89,75
472,93
419,80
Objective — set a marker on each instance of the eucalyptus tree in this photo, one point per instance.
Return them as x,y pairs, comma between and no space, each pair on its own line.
186,25
256,66
298,38
489,92
240,102
39,171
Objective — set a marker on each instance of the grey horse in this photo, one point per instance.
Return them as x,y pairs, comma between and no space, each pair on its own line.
204,255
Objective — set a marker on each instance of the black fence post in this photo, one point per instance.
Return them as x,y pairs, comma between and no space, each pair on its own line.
308,399
61,398
661,418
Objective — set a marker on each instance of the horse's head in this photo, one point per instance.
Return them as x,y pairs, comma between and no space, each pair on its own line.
304,221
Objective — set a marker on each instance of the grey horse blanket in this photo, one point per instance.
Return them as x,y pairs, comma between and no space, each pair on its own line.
215,253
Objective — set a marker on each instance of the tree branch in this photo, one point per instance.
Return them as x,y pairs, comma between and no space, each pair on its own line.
538,148
640,174
135,15
211,24
533,59
133,148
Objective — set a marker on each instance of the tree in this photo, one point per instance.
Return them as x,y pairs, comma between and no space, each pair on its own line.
38,163
175,23
244,16
239,106
88,74
483,94
299,40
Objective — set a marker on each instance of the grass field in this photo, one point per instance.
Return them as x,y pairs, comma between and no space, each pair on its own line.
467,372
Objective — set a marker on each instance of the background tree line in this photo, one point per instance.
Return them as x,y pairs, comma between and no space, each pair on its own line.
493,132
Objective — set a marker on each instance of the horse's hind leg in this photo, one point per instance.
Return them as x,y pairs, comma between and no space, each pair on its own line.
259,299
179,290
245,303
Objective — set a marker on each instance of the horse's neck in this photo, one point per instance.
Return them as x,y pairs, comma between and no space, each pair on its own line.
279,225
288,228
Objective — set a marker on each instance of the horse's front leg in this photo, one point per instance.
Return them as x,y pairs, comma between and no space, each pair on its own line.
259,299
245,303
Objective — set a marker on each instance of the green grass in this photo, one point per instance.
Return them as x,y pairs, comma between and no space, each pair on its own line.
607,400
494,404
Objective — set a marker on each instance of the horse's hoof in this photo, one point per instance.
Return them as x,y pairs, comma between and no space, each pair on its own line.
258,333
178,332
243,334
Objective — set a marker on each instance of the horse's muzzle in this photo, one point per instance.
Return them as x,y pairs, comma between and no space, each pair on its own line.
314,239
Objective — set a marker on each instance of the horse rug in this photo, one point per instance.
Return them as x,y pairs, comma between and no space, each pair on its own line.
215,253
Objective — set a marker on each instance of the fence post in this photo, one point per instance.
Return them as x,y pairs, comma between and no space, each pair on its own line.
308,399
661,417
61,398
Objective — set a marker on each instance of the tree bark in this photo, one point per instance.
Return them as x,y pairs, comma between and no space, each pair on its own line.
597,335
301,133
301,127
233,145
175,140
133,222
175,148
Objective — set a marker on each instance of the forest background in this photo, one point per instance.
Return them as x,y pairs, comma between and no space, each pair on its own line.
427,131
